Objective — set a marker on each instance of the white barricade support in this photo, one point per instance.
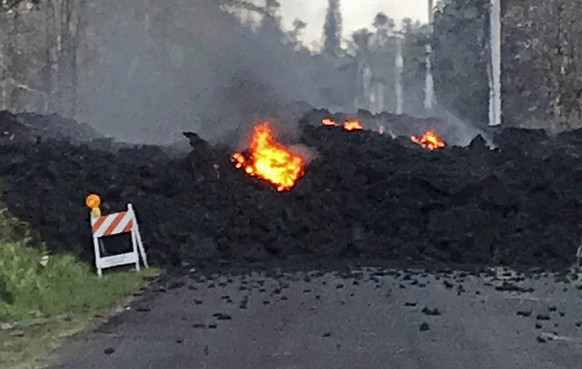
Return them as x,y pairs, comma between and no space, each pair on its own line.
114,224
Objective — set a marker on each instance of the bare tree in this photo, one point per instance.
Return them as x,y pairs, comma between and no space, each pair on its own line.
332,29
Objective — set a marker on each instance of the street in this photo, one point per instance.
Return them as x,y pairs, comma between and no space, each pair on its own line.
370,319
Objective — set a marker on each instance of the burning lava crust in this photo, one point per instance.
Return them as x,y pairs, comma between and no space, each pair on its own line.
413,198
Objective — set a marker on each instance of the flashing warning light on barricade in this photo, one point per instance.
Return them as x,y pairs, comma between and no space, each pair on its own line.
93,201
111,225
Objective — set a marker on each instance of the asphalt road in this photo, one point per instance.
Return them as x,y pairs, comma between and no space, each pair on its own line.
323,320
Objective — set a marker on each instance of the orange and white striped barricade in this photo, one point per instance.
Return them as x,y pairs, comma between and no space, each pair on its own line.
114,224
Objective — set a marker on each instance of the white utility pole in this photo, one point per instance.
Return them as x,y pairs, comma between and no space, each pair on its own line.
495,64
399,67
429,98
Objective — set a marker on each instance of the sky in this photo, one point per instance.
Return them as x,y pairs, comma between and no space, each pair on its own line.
356,14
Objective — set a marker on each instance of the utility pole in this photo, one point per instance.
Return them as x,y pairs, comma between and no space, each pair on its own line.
429,98
399,68
495,114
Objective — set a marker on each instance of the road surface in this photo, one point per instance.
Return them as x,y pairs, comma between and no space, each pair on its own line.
373,318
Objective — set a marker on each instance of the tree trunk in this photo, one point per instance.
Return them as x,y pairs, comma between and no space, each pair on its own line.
71,25
51,45
3,66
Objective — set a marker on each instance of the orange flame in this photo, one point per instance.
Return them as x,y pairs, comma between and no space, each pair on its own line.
353,125
430,140
269,160
328,122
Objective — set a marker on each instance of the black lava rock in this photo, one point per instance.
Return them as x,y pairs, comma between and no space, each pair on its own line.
109,351
401,201
431,312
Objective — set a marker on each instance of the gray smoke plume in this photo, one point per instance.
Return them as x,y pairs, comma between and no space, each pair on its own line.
191,66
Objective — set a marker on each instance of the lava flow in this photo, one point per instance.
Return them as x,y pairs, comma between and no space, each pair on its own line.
349,125
328,122
353,125
269,160
430,140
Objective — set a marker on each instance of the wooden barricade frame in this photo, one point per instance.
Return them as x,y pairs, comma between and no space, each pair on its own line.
111,225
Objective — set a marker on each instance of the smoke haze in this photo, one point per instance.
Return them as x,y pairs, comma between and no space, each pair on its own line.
147,76
194,67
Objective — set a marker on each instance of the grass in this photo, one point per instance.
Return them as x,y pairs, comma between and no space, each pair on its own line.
44,298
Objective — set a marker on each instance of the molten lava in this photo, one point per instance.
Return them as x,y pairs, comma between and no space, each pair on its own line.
430,140
269,160
353,125
328,122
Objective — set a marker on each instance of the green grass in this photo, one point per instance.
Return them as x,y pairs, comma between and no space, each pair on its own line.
44,298
36,285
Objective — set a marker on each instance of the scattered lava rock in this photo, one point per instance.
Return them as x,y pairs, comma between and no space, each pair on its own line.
222,316
524,313
510,287
365,194
424,327
109,351
431,312
542,317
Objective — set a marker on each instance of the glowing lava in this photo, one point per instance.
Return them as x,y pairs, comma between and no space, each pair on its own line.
269,160
430,140
353,125
328,122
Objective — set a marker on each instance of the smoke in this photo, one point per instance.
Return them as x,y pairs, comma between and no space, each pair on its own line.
190,66
309,154
458,131
151,72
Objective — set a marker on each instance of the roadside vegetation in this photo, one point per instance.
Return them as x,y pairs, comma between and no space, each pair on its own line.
44,298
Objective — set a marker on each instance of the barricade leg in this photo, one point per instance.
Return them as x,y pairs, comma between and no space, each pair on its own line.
140,245
97,255
134,246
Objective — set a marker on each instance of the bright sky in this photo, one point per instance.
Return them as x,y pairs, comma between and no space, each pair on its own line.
356,14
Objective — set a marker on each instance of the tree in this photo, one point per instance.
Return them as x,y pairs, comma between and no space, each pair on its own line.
416,36
541,52
332,29
298,27
541,58
460,58
384,24
6,5
39,59
361,40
